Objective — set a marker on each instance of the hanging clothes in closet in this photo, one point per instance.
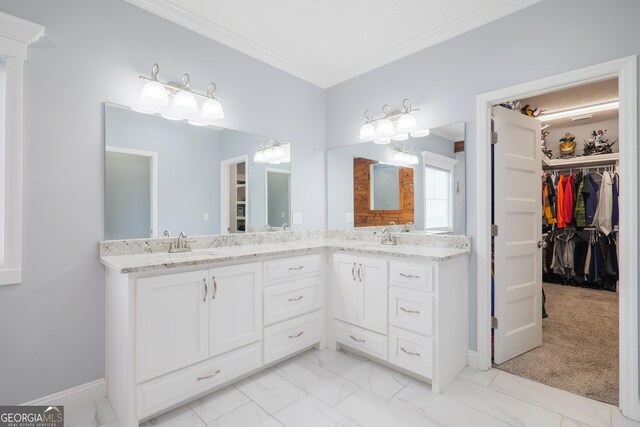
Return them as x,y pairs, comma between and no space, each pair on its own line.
580,225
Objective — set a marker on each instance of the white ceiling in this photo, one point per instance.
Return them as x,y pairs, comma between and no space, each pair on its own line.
329,41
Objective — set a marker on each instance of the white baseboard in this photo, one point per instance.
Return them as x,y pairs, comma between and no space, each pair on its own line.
75,396
472,359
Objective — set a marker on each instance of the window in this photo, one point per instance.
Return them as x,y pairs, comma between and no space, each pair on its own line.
17,34
439,191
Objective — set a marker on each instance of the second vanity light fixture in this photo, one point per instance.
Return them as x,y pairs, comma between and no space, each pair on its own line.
273,151
392,126
155,97
404,155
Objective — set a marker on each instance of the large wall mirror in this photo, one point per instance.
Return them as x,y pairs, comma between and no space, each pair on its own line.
421,180
170,175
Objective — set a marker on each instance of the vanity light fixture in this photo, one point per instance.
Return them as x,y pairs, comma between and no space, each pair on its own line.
155,97
273,151
392,126
404,155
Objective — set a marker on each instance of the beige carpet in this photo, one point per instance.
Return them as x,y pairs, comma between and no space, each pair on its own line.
579,351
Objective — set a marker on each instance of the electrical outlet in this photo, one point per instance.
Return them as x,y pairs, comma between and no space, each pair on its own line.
205,216
297,218
348,217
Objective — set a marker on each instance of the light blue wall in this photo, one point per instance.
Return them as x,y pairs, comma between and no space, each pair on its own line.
52,325
188,167
549,38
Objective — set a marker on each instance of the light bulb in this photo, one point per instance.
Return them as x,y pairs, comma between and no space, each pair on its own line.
268,154
212,109
420,133
382,141
406,157
414,159
397,157
406,123
278,152
154,93
259,156
185,103
367,132
384,129
400,137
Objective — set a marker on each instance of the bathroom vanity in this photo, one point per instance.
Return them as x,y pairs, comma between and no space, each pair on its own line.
182,325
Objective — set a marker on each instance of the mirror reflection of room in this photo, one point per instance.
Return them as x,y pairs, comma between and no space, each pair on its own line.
167,175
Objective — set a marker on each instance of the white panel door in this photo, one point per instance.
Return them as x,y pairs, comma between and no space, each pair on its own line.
345,289
171,323
235,307
372,278
517,212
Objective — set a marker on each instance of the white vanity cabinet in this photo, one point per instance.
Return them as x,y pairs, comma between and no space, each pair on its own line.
409,314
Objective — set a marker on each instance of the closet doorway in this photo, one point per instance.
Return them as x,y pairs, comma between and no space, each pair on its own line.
519,247
234,195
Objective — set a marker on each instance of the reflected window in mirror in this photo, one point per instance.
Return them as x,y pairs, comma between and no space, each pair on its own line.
439,184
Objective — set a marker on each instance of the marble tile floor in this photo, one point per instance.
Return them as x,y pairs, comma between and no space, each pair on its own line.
326,388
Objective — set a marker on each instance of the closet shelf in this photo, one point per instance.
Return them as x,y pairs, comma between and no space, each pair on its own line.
576,162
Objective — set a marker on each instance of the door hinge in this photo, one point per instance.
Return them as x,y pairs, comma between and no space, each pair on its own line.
494,322
494,137
494,230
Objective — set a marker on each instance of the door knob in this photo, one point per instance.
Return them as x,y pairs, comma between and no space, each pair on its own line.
542,244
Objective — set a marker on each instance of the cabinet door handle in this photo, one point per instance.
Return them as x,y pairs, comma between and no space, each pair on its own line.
410,353
359,276
356,339
206,289
409,310
296,335
215,287
296,299
298,268
409,276
206,377
353,271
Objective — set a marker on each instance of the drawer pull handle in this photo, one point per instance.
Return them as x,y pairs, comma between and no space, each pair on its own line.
206,377
353,271
356,339
409,310
296,299
410,353
206,289
296,335
359,276
409,276
215,288
298,268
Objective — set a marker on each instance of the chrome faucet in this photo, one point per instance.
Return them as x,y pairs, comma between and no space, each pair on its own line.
180,245
285,226
406,228
387,238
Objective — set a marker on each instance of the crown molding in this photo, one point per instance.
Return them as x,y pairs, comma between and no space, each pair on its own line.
190,21
186,19
439,35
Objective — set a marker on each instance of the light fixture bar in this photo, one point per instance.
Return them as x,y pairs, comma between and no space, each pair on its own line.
607,106
174,88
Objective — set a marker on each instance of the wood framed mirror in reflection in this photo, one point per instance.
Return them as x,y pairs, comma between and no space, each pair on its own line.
381,193
170,175
371,185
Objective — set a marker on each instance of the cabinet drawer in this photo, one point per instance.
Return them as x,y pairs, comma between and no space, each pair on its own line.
412,275
293,335
411,309
287,268
411,351
161,393
289,300
361,339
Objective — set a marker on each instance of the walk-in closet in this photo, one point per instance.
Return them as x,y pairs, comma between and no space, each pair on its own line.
579,190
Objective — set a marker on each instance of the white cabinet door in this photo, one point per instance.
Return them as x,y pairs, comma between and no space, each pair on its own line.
235,307
372,281
171,323
345,288
518,212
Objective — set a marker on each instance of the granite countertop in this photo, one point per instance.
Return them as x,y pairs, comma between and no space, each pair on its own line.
150,261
